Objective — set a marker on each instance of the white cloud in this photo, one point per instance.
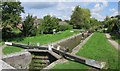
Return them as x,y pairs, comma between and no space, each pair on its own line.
97,5
38,5
98,16
61,6
53,14
98,8
105,3
114,12
68,0
73,8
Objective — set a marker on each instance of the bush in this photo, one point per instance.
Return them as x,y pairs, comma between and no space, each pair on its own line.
29,28
49,23
65,27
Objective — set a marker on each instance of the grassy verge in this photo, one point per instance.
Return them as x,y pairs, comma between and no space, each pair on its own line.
11,49
98,48
42,39
70,65
48,38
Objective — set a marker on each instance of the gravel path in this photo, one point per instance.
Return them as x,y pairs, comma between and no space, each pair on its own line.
114,43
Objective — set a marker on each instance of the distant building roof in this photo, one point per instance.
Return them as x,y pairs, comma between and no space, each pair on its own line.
37,21
63,23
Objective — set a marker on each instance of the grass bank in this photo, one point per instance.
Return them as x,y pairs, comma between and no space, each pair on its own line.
11,49
98,48
42,39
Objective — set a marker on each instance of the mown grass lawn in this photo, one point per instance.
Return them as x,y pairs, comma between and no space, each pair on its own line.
98,48
48,38
42,39
11,49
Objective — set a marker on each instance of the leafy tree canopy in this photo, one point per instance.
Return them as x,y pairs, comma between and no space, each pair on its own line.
11,13
49,23
80,18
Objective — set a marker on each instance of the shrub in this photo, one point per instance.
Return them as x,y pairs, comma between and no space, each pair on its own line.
48,24
65,27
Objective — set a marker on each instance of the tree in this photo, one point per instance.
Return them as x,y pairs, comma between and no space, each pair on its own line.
10,16
94,23
49,23
80,18
28,26
112,23
11,13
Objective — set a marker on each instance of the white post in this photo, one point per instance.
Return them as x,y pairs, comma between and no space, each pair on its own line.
8,43
58,47
54,31
52,46
49,47
38,44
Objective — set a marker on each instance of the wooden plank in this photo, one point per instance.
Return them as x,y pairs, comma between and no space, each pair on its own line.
55,55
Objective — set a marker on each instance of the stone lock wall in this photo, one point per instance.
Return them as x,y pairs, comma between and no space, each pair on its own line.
70,42
19,60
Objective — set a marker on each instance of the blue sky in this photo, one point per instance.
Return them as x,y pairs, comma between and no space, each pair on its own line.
63,10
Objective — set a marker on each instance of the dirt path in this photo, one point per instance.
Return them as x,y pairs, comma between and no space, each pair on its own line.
113,42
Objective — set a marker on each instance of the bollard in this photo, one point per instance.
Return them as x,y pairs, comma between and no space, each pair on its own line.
38,44
49,47
8,43
58,47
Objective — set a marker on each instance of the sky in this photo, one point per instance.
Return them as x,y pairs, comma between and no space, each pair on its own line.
63,9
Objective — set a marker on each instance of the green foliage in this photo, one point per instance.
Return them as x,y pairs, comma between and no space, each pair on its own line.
11,13
80,18
94,23
116,37
49,23
65,27
10,17
68,21
112,23
28,26
6,31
